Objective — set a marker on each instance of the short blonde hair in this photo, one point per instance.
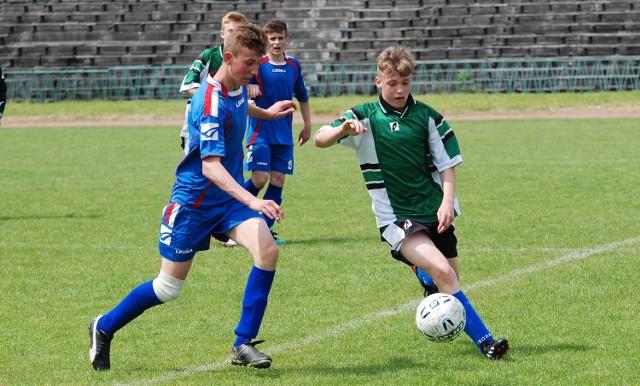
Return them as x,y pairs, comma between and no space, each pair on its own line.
247,36
397,59
233,17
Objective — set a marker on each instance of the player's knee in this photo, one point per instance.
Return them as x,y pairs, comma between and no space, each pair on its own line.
167,287
267,258
259,179
446,279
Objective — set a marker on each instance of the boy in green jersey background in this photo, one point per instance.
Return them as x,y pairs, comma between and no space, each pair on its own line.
407,154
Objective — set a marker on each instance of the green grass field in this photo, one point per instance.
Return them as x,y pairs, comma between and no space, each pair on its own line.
549,243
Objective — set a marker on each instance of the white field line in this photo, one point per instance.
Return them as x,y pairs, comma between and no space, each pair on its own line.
368,319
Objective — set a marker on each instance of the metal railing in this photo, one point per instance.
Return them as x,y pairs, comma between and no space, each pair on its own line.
583,74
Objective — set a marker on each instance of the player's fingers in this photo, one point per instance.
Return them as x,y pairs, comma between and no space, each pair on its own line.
273,210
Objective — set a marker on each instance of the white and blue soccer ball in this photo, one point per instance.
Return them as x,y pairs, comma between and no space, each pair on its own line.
441,317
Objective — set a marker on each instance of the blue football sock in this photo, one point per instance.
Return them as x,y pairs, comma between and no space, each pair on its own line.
133,305
251,188
424,277
254,304
273,193
475,328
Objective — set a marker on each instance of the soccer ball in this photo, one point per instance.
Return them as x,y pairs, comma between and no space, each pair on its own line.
441,317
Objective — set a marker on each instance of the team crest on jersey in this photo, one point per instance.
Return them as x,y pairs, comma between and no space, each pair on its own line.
395,126
209,132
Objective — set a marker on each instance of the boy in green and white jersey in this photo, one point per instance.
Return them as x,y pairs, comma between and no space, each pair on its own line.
407,154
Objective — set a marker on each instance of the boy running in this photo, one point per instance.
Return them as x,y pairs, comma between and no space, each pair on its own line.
408,153
208,199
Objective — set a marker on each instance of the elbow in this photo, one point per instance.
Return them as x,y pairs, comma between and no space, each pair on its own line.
319,139
319,142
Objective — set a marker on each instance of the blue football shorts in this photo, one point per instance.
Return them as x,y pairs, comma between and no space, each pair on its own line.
266,158
185,230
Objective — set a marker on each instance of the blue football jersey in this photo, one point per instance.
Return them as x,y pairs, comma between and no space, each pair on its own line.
277,82
217,124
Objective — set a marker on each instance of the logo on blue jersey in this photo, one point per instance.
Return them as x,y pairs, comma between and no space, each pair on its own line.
240,102
209,132
278,70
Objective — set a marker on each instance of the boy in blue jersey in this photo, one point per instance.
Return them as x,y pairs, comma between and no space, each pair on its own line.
208,198
206,62
408,153
270,143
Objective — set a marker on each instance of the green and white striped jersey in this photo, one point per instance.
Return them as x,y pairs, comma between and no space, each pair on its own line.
401,157
207,61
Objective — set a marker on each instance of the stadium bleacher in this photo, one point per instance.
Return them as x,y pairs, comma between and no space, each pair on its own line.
102,33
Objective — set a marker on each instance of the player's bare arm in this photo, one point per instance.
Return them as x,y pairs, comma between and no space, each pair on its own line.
328,135
446,211
213,169
275,111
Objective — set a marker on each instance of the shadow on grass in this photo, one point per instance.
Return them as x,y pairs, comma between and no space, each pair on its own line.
343,372
537,350
323,240
519,351
306,242
48,217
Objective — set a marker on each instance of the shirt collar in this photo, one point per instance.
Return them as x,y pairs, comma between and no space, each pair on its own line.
388,109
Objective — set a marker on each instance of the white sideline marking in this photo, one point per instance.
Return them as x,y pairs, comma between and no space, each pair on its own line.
367,319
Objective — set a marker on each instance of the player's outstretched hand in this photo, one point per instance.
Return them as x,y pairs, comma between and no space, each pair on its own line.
281,109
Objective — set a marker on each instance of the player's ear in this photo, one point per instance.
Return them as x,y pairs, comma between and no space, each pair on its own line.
227,56
378,82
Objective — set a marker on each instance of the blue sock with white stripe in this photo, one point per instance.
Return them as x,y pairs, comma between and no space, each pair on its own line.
254,304
133,305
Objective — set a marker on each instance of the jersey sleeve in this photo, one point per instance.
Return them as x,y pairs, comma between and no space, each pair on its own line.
212,129
443,144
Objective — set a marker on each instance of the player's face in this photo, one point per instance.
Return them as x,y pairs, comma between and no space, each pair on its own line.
394,88
227,29
277,43
243,66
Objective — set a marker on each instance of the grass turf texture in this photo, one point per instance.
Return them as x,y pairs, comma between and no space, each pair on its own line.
79,220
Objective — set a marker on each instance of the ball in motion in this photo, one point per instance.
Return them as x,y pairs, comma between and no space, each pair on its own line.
441,317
